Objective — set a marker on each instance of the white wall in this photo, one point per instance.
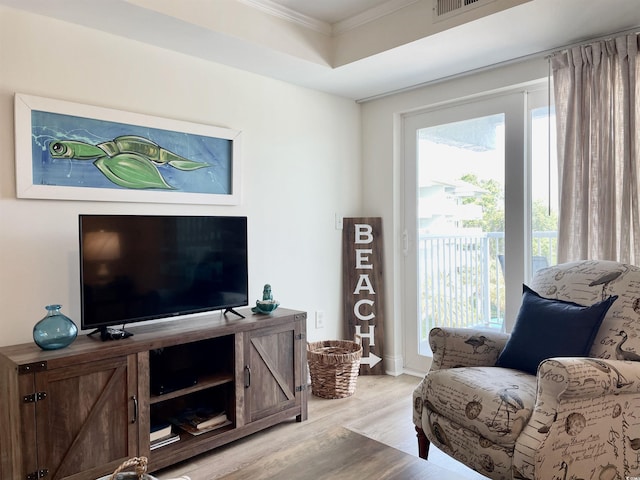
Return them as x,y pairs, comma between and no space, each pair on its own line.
382,188
301,164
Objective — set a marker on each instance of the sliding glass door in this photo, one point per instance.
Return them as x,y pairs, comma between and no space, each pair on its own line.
467,210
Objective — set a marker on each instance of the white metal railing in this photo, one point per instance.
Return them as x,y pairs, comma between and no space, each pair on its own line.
462,277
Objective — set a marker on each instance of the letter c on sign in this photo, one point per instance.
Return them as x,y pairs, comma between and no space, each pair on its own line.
356,309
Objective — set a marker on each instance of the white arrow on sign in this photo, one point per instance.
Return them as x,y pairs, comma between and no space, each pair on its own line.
372,360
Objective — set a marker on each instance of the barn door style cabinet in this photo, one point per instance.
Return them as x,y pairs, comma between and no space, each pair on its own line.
79,412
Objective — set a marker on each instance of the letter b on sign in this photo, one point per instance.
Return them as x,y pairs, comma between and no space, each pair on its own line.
363,233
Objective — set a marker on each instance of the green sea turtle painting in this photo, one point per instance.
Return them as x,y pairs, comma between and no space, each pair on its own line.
129,161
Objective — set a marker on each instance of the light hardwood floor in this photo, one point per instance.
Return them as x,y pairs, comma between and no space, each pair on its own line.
380,409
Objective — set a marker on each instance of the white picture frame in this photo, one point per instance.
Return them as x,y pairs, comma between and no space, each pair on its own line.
60,145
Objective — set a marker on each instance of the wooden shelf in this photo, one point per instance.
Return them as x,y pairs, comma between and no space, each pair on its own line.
208,381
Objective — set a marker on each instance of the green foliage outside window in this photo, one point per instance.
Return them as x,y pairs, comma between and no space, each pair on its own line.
447,310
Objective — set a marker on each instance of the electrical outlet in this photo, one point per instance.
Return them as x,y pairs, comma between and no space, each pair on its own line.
319,319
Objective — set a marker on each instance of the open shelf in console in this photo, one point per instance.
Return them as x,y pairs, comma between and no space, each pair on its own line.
188,367
192,383
188,413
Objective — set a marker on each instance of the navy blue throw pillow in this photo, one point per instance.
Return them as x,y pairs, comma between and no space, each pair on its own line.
548,328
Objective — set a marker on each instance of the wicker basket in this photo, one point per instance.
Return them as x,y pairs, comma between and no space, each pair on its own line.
334,365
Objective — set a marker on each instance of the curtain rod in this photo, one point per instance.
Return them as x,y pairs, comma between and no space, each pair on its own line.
611,36
542,54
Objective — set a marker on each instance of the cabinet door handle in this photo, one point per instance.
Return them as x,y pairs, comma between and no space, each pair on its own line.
247,377
135,409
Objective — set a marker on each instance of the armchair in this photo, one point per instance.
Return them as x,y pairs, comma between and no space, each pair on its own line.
577,416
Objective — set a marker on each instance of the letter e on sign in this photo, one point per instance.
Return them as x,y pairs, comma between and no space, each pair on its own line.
362,258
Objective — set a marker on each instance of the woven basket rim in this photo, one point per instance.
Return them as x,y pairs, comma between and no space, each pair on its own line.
348,344
334,351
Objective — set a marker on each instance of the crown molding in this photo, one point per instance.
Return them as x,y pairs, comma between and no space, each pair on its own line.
370,15
280,11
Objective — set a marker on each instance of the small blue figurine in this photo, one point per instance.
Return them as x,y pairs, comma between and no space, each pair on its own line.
267,304
267,296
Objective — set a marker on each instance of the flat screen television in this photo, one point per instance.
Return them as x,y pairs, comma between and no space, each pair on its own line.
142,267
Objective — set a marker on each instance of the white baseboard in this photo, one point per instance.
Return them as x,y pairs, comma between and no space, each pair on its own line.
393,365
413,373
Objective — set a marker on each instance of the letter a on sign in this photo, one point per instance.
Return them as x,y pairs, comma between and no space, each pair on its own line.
363,289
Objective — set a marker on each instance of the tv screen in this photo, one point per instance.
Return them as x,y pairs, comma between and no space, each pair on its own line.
137,267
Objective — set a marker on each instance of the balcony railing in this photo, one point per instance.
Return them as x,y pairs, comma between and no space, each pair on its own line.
462,277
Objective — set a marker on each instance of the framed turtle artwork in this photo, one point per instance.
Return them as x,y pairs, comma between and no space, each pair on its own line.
71,151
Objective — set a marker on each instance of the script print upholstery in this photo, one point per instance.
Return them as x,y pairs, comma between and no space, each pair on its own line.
578,418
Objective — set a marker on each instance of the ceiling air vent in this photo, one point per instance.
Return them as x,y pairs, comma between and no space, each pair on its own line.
448,8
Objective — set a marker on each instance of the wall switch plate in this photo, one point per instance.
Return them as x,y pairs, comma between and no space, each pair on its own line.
319,319
338,221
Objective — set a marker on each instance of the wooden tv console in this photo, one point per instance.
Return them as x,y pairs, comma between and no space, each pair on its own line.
79,412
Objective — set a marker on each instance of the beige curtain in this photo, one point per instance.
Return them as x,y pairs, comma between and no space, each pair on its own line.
597,91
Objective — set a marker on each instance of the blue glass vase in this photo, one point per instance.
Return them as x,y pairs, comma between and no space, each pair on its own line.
55,330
